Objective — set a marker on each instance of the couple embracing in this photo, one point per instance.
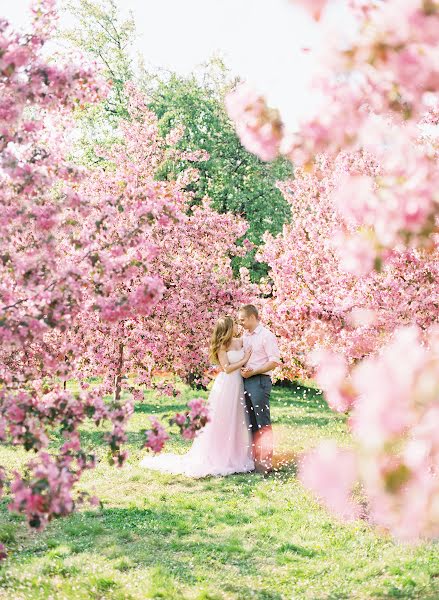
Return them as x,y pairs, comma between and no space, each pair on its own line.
238,438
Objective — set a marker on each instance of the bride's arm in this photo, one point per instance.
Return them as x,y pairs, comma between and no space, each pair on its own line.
228,367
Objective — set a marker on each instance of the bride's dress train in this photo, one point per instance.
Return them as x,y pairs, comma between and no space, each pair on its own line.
223,446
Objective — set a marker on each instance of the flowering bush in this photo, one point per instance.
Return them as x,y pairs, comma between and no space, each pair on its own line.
193,420
156,436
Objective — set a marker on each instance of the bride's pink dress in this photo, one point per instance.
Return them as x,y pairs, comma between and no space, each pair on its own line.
223,446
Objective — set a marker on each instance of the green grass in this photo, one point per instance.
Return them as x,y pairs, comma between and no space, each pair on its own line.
241,537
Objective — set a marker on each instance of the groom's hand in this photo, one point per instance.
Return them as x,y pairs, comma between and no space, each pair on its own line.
246,373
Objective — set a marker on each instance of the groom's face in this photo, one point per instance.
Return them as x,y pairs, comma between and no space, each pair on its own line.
244,320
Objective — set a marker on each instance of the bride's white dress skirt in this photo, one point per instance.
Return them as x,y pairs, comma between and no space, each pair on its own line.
223,446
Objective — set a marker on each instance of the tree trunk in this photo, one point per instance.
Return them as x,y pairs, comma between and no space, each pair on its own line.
193,379
118,378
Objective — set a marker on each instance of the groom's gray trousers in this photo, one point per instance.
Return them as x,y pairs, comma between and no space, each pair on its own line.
257,391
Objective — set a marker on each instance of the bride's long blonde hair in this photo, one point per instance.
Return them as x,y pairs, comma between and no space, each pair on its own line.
222,336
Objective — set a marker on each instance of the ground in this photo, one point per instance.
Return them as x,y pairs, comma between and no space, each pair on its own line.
239,537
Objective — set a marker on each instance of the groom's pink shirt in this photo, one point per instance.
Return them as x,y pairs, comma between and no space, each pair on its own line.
264,347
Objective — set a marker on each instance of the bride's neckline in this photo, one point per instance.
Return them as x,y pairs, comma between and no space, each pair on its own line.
234,349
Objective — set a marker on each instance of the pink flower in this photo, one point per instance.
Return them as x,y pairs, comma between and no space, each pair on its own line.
383,410
196,406
18,57
180,418
138,395
357,255
46,493
193,420
15,413
313,7
330,473
156,436
188,434
355,198
259,127
333,378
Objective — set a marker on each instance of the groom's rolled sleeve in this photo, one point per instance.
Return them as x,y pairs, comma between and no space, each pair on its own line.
271,348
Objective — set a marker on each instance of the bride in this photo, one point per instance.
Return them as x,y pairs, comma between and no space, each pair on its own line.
224,445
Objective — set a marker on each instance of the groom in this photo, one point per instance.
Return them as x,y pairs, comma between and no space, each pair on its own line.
264,358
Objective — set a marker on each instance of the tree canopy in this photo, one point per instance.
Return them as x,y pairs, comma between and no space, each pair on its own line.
235,180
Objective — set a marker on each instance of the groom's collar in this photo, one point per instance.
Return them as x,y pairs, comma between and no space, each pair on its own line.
256,330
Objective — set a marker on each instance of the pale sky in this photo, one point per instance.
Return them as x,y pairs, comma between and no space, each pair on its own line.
261,40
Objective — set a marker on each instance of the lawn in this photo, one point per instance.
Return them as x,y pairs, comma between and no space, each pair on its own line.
240,537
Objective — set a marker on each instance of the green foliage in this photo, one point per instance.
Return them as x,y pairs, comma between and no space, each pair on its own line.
234,179
101,33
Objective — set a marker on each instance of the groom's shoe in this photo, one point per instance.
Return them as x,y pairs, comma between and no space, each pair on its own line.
262,469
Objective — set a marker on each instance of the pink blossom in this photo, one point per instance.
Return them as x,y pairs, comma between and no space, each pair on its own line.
333,377
259,127
188,434
156,436
358,254
180,418
355,198
384,385
330,473
17,57
193,420
313,7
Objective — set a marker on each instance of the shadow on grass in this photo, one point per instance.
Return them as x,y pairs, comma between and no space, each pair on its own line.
176,536
300,396
308,420
158,408
298,406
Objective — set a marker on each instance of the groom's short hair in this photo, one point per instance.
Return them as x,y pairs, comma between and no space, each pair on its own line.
249,310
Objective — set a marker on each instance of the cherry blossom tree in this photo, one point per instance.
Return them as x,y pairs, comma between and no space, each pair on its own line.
378,97
377,92
323,298
188,249
80,266
40,292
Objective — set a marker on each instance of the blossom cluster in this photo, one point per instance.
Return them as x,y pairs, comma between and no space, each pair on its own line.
156,436
193,420
395,424
320,300
379,93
